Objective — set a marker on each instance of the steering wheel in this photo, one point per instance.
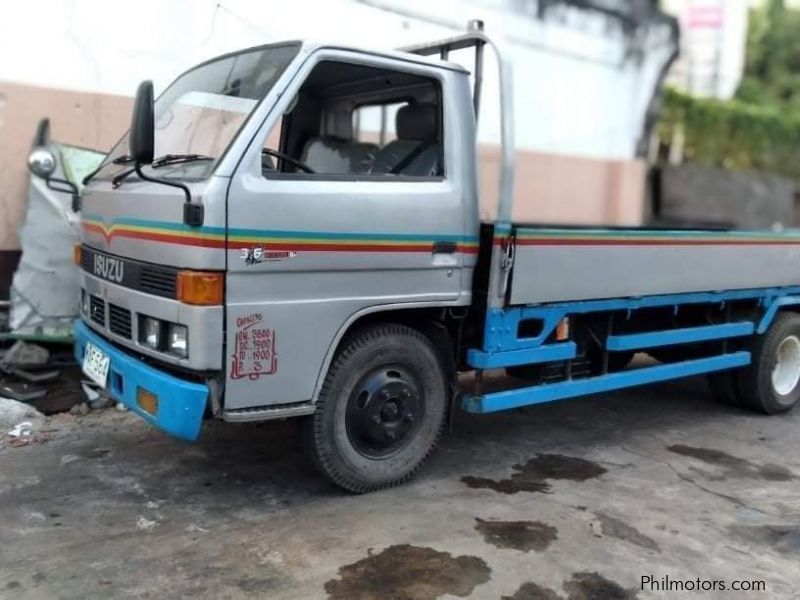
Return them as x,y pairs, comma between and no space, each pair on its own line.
281,156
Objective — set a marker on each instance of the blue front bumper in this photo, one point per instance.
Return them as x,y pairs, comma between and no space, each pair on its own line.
181,404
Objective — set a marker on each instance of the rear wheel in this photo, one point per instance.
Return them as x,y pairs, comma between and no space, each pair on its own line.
771,383
381,409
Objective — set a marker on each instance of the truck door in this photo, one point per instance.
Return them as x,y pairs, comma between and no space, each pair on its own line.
348,203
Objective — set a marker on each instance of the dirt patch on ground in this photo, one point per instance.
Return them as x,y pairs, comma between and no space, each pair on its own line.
733,466
406,572
533,475
619,529
581,586
781,538
533,591
517,535
593,586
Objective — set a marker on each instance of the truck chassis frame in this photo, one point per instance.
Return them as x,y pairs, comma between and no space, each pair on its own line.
505,346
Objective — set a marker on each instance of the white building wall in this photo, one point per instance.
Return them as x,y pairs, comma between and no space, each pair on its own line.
576,91
581,95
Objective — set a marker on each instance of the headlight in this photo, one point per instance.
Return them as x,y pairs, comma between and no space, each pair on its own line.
150,332
177,340
84,302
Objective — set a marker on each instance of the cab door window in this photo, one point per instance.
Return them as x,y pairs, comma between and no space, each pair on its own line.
355,121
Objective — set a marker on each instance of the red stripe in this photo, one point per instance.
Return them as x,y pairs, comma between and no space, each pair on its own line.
158,237
323,247
175,239
672,242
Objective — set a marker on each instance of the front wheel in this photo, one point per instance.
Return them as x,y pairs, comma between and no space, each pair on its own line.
771,383
381,409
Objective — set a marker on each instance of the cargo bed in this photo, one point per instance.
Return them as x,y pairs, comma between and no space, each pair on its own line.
565,264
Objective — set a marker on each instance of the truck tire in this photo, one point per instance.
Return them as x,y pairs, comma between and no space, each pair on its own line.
724,387
771,383
381,409
617,361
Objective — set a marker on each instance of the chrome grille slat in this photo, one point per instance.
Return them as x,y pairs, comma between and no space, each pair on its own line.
158,282
97,310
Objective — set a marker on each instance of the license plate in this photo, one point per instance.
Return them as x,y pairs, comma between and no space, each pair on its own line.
95,364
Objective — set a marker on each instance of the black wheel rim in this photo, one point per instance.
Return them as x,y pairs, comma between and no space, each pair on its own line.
384,411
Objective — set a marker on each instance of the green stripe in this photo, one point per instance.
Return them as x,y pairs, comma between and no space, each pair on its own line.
662,234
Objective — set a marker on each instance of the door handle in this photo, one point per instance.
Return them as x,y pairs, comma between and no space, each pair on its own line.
444,247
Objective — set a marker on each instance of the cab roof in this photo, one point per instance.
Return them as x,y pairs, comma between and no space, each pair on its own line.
309,46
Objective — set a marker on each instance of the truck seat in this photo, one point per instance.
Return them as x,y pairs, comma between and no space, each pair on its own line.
332,155
417,149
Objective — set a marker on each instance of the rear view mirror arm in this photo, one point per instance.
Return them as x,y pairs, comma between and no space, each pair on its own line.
65,186
192,213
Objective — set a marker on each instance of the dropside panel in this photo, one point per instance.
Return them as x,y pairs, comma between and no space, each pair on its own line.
559,265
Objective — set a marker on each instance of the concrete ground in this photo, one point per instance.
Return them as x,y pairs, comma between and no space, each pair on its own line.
574,500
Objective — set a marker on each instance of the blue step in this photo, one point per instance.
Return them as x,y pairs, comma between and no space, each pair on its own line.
550,392
479,359
654,339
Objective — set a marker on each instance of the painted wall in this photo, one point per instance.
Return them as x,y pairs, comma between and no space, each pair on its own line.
580,99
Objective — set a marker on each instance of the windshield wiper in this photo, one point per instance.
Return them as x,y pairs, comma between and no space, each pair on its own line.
115,183
161,161
120,160
176,159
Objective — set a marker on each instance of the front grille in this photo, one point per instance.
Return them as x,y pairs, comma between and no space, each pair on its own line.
145,277
97,310
159,282
119,320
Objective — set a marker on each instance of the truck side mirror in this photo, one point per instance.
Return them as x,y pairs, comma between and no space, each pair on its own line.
142,138
41,160
42,163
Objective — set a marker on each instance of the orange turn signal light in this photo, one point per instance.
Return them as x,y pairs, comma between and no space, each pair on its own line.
77,254
202,288
147,401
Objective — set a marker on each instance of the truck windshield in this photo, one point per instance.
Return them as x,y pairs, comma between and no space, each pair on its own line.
202,111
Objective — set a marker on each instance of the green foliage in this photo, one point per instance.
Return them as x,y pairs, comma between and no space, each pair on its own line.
733,134
772,65
760,128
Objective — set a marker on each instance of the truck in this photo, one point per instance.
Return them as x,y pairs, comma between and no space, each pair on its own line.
249,254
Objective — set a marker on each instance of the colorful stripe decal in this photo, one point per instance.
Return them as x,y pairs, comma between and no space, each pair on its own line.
638,237
214,237
171,233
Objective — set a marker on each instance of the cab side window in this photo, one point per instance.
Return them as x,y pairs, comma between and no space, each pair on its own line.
375,123
352,121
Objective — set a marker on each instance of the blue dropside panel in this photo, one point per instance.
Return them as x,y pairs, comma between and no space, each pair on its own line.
181,404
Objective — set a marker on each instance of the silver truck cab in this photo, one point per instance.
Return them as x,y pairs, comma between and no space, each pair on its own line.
312,225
